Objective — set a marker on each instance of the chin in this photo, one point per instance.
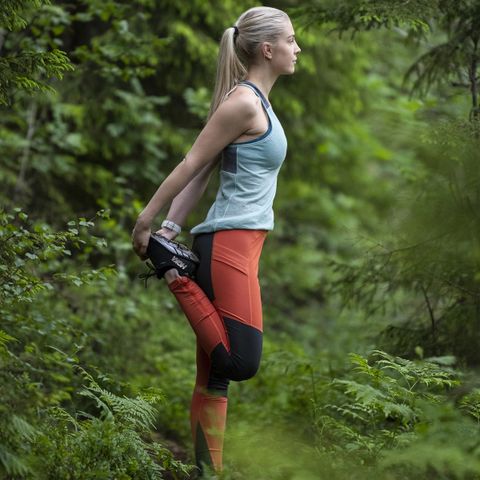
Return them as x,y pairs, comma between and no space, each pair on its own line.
289,71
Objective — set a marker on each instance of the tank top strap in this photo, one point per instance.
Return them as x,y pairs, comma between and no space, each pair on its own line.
257,91
229,92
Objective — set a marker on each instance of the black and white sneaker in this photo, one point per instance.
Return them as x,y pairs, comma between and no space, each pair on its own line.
166,254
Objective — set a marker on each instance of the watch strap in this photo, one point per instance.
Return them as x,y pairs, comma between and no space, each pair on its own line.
171,226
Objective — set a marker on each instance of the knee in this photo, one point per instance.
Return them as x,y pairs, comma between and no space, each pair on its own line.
238,366
246,370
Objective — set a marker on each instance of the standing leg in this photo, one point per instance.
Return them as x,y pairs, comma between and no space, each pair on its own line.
208,415
224,310
208,409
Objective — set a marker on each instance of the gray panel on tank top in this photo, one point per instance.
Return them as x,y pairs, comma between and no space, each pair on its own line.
229,159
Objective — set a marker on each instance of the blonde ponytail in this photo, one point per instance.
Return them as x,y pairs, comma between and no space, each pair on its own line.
230,69
239,50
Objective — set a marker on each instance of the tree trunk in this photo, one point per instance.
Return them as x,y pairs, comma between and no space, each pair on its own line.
20,185
472,73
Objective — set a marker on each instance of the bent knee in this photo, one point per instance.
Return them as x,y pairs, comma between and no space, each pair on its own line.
238,365
235,371
245,371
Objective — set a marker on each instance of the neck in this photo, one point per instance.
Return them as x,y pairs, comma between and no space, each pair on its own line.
263,79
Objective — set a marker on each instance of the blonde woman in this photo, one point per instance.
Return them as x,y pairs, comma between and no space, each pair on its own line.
243,134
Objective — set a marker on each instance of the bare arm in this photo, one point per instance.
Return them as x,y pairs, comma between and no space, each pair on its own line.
229,121
184,202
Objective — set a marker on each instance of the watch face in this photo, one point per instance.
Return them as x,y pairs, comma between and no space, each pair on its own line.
171,226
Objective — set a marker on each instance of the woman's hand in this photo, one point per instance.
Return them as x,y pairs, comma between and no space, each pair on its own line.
170,234
140,238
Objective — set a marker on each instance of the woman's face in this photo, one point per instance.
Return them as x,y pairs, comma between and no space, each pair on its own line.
285,51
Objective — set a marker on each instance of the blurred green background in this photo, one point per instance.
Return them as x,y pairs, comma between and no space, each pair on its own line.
370,279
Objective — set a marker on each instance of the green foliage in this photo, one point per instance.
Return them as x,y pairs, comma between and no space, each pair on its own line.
31,65
19,71
381,398
30,257
436,260
109,446
11,12
375,231
42,432
370,14
385,410
453,60
380,417
443,445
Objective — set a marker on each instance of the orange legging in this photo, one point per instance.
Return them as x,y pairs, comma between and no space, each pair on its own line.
224,309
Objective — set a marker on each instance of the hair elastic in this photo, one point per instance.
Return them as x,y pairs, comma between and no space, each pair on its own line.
236,30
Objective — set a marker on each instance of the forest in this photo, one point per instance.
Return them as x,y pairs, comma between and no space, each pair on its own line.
370,279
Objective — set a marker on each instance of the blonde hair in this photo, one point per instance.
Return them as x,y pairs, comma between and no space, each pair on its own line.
238,51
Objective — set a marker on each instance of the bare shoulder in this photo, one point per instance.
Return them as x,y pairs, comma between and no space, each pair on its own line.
242,91
231,119
241,101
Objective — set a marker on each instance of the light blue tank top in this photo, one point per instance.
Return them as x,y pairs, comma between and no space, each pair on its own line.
248,179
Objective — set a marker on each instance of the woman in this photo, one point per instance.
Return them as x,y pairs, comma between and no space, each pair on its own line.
223,304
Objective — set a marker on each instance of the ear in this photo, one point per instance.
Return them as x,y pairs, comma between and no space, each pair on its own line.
267,50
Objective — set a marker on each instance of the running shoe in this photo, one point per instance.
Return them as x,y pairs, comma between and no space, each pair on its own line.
166,254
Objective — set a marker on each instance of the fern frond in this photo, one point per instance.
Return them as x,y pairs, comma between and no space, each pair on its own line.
86,392
471,403
401,411
21,429
364,393
12,463
349,411
5,338
136,412
62,415
363,365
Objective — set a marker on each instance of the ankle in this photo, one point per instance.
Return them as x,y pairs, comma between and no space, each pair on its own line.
171,275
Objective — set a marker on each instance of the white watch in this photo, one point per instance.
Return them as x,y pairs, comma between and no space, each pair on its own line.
171,226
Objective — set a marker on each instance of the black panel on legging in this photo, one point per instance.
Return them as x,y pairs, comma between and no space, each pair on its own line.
202,247
202,454
243,360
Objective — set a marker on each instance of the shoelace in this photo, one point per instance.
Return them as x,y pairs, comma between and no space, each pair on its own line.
152,272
